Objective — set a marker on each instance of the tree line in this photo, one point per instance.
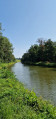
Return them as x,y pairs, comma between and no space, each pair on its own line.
6,48
43,51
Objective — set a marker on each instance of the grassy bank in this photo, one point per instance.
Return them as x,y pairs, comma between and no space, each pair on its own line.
6,65
46,64
43,64
16,102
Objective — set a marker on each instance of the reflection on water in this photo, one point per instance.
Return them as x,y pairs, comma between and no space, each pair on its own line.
41,80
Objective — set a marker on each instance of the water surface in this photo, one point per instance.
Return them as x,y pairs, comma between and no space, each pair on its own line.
40,79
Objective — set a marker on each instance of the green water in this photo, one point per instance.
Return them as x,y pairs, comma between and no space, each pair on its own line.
41,80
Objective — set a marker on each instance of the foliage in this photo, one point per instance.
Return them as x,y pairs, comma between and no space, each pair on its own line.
45,51
6,49
16,102
49,51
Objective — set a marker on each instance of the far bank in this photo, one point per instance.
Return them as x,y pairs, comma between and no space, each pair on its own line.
43,64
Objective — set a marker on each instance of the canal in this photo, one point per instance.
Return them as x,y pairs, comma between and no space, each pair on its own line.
41,80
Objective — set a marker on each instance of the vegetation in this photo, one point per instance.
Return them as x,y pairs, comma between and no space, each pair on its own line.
16,102
45,64
44,52
6,49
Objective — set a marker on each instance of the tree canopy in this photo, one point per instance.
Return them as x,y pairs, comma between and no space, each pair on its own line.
6,49
45,51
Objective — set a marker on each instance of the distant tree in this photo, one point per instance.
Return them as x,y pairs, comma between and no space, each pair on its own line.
25,58
54,44
33,51
6,48
41,41
44,51
41,48
49,50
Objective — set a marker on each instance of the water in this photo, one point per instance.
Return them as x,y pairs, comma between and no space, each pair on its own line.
41,80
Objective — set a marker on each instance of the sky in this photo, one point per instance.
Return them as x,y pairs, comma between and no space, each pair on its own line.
25,21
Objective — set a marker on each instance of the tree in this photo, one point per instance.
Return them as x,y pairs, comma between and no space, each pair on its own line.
45,51
49,50
6,48
41,48
33,51
41,41
25,58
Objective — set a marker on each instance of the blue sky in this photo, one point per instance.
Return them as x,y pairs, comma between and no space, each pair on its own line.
25,21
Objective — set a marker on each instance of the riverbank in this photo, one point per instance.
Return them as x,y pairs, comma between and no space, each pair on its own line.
43,64
46,64
6,65
16,102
